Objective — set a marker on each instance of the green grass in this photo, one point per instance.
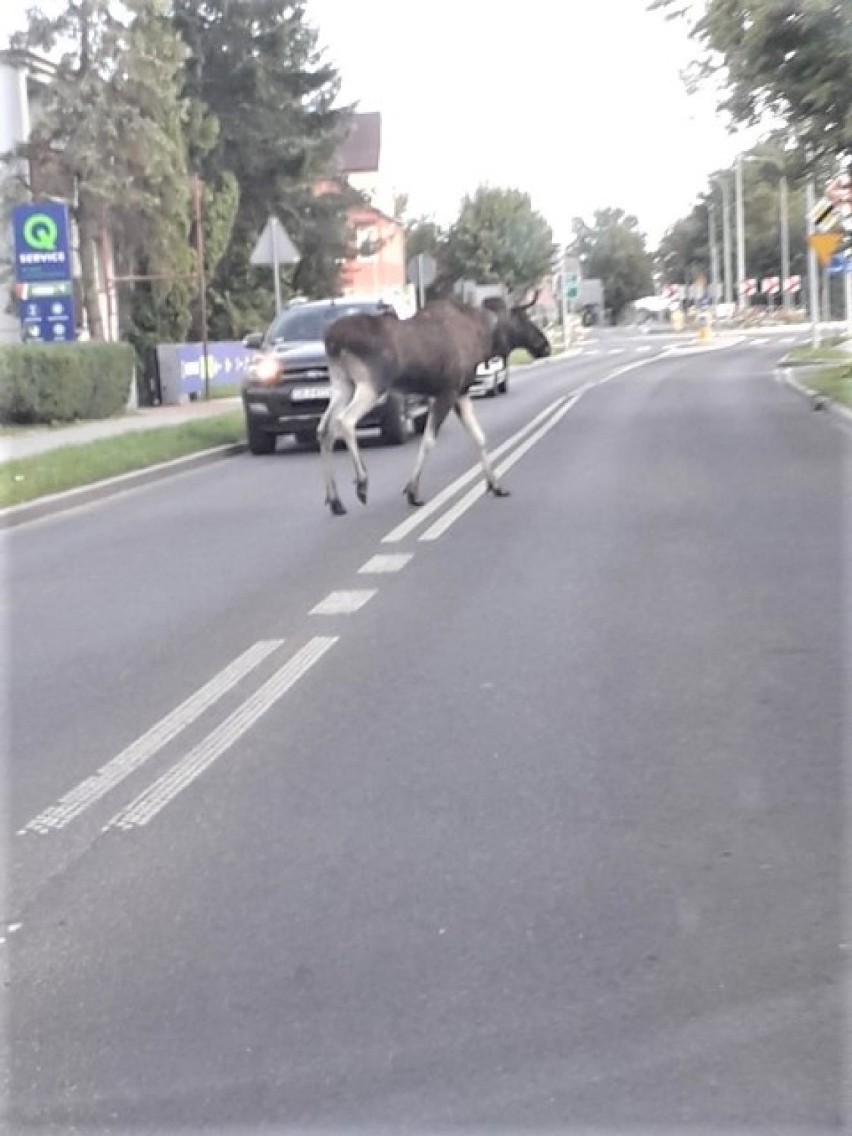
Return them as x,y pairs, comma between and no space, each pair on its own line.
72,466
830,370
834,382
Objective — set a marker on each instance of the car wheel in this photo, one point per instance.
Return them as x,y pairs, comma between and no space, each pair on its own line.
396,427
503,385
260,441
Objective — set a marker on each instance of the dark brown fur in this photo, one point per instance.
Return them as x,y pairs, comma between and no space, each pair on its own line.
435,353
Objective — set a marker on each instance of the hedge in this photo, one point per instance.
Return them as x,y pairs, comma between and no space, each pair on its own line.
63,382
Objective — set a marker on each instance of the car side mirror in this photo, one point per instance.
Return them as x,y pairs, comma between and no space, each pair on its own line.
254,340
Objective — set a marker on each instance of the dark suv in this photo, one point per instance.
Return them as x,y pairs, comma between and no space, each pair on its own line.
286,387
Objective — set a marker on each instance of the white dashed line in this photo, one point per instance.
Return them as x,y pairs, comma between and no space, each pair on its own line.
342,603
146,806
150,743
472,496
418,518
392,562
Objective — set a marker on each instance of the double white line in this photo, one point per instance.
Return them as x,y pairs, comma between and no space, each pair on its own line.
547,416
88,792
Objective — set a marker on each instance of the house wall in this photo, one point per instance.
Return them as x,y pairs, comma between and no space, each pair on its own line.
381,269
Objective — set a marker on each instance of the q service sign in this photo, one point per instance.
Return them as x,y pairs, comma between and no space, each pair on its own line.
43,271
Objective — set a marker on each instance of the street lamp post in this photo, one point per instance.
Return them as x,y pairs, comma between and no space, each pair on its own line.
727,272
714,250
785,241
741,252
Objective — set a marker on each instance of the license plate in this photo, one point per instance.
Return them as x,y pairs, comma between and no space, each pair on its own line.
309,394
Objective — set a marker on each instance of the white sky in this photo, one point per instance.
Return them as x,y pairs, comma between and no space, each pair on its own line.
577,102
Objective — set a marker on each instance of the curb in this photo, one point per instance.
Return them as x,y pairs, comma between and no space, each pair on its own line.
99,490
818,401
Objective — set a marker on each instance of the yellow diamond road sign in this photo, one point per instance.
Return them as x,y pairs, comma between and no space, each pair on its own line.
825,245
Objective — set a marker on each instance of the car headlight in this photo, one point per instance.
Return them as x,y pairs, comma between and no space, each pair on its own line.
265,370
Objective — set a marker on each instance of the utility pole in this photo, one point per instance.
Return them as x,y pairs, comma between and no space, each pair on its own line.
726,241
714,251
786,297
813,270
202,280
741,251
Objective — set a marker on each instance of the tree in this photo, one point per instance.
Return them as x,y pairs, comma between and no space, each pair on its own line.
498,238
425,235
612,249
684,252
109,134
256,67
786,58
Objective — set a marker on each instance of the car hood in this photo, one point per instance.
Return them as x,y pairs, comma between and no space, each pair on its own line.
299,351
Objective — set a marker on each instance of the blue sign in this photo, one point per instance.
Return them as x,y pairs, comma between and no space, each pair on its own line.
226,364
42,245
48,319
841,262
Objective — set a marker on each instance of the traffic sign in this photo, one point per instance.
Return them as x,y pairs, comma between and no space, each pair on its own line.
48,319
825,245
274,246
770,285
42,245
793,284
421,269
840,263
823,214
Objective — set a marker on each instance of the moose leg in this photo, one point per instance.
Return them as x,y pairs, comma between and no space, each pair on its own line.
464,409
438,411
341,393
365,397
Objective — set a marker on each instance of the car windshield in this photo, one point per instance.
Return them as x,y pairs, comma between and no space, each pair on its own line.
304,324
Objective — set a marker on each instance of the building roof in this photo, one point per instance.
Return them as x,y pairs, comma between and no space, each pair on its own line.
360,150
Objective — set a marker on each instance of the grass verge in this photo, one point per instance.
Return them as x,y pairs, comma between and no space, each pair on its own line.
73,466
829,369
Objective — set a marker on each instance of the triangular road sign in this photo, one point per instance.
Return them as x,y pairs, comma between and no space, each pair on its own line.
274,245
825,245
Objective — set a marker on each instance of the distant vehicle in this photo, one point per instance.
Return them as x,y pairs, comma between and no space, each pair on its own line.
286,388
491,378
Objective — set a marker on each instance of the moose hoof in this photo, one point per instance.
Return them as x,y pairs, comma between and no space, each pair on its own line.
499,491
336,505
412,497
361,491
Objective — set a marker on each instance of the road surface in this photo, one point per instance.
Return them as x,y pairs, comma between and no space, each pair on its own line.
520,814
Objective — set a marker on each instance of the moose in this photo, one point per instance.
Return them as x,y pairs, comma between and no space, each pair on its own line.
434,353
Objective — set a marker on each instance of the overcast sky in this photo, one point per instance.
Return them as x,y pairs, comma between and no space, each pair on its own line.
578,102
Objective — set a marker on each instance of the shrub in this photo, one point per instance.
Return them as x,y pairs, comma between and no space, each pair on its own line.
63,382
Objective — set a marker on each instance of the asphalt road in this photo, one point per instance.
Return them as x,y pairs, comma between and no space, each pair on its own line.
535,824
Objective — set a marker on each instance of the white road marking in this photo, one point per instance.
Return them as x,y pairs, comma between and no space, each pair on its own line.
392,562
616,350
150,743
146,806
342,603
472,496
422,514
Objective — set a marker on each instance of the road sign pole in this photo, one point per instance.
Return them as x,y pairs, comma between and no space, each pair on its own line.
276,267
420,297
813,272
847,277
